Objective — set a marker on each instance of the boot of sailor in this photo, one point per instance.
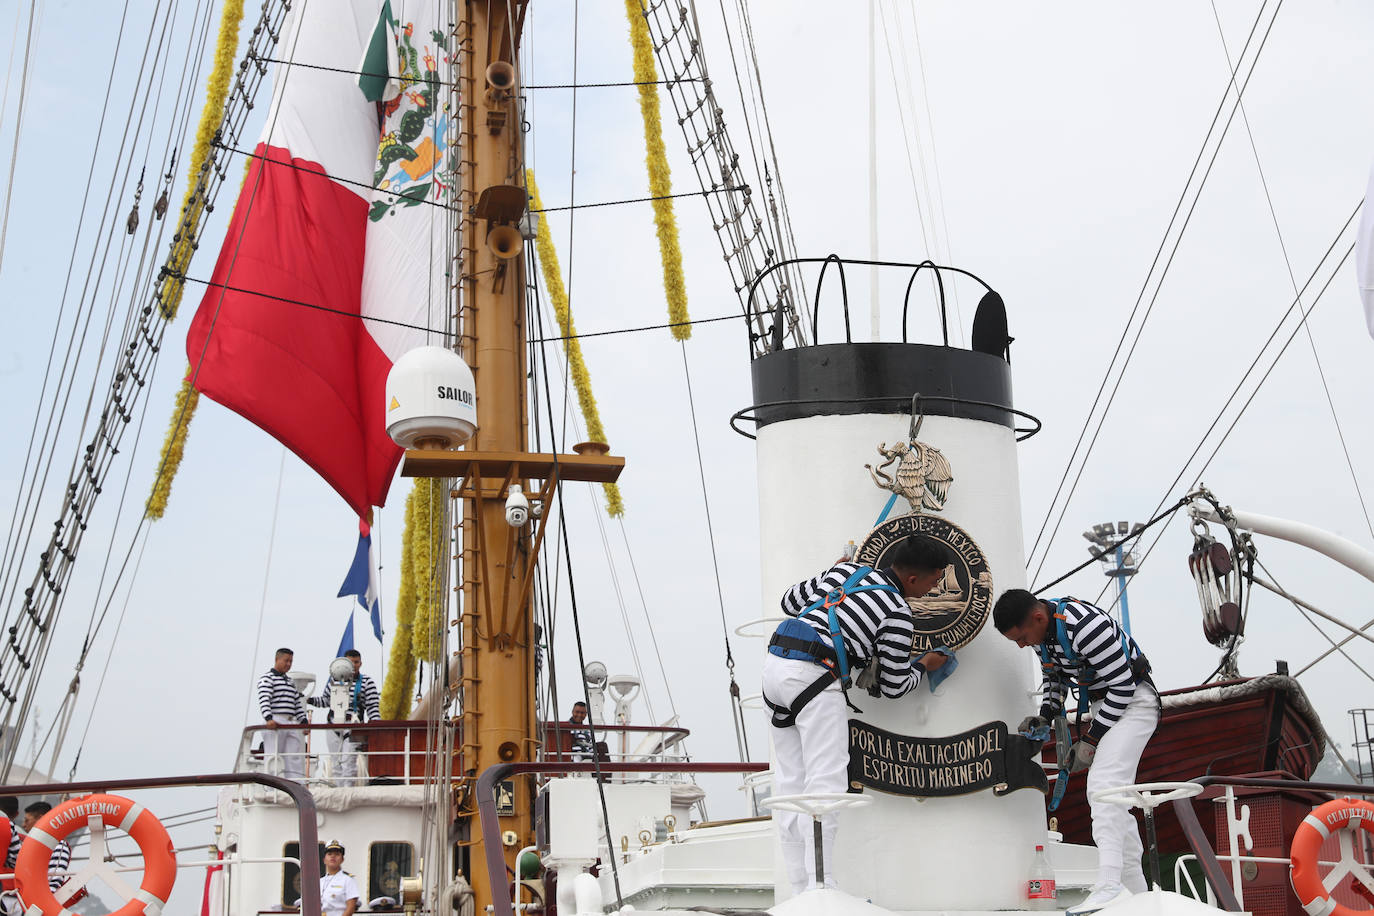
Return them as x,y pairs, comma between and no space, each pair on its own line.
1103,895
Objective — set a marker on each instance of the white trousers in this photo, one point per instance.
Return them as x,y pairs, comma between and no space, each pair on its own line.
343,758
811,756
1115,832
287,746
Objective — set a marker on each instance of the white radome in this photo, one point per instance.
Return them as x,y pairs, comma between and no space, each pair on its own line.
431,400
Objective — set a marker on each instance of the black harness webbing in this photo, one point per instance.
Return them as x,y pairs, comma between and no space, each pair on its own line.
821,654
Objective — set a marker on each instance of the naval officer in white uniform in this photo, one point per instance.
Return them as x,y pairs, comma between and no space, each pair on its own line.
338,891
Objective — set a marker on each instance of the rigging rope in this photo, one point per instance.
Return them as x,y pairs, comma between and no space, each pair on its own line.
1278,589
42,602
19,123
749,242
1240,384
736,710
1292,279
1140,297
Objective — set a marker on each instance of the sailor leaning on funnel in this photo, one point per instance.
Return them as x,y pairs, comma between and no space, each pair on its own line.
1080,645
847,617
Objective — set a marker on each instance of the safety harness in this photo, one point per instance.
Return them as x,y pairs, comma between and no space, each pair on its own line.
1087,678
795,639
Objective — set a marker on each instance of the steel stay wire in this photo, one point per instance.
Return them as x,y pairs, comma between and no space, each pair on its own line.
735,709
570,417
1183,195
437,331
40,644
206,193
522,87
1306,615
1316,300
1293,281
13,550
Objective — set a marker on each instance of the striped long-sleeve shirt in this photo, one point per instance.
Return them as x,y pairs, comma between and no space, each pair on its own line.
60,861
1098,644
876,624
278,696
364,703
16,840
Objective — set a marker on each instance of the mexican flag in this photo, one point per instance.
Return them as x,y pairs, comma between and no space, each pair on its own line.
334,262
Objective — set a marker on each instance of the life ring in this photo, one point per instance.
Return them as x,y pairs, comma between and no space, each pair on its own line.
159,858
1341,814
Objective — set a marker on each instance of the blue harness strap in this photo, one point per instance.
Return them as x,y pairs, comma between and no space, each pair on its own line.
1088,676
795,639
833,599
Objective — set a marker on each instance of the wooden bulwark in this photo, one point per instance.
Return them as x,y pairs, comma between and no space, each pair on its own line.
531,465
1242,735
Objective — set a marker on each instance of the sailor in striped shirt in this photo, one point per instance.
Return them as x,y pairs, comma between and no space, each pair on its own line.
363,706
1105,661
280,704
801,684
61,858
9,805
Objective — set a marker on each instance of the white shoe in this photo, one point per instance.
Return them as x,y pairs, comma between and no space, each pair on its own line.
1102,896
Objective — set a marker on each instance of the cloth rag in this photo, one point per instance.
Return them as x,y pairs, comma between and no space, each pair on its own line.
937,677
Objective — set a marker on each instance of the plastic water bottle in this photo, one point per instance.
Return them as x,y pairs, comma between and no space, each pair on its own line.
1040,889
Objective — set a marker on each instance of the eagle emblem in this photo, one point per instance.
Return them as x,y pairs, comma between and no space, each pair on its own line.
923,475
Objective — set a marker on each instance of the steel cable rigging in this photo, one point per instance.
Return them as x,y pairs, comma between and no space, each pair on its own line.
31,632
1157,281
1293,280
1317,269
749,242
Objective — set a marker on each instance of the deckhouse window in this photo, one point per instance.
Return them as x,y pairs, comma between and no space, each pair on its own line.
291,873
387,863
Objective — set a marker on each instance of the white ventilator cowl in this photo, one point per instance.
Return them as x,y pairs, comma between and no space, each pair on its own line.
431,400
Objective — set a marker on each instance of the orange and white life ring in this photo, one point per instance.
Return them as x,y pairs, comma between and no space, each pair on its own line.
1315,829
159,858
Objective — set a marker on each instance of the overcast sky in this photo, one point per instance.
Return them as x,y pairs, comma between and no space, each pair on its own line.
1064,136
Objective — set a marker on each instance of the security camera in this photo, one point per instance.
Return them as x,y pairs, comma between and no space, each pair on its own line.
517,506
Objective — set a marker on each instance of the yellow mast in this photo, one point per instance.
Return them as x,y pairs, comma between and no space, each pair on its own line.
494,674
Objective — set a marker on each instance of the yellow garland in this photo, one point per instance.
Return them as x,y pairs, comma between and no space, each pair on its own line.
169,296
216,92
400,669
577,367
660,176
174,446
427,536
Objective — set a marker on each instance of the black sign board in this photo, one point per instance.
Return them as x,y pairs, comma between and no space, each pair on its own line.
986,757
505,798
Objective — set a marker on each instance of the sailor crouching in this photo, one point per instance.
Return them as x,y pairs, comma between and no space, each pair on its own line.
1080,645
848,617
